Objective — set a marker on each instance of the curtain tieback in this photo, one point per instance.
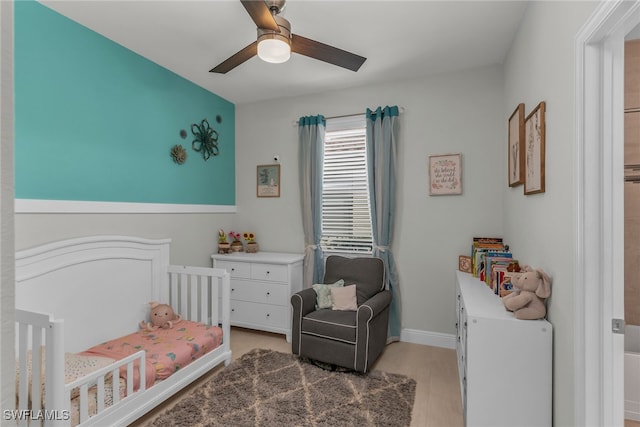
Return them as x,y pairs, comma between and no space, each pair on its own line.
382,248
312,247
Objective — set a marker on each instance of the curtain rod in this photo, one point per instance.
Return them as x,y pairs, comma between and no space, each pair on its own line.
400,110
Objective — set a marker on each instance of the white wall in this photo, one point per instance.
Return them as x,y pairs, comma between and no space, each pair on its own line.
449,113
541,228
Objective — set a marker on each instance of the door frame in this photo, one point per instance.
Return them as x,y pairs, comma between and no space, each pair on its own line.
599,275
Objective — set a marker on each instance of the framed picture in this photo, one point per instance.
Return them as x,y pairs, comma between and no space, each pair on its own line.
445,174
516,146
268,181
534,150
464,263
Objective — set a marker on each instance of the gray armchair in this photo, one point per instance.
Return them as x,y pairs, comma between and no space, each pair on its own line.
350,339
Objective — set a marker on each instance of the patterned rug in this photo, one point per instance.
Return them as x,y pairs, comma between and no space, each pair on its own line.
269,388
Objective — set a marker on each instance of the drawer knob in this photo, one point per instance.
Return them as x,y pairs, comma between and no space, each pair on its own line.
268,315
268,293
268,272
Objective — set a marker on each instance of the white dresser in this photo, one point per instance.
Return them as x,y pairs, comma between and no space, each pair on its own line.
504,364
261,287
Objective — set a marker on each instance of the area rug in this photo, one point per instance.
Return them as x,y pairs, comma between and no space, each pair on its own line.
269,388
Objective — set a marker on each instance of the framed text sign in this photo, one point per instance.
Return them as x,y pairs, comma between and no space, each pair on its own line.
445,174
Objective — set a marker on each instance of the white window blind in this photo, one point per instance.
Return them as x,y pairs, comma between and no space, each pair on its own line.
346,216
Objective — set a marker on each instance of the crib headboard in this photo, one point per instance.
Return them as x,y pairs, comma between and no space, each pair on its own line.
100,285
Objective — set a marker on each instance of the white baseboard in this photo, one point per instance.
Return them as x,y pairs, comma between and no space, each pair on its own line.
435,339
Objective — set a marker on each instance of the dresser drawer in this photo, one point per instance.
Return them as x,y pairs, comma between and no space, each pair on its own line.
265,293
245,313
270,272
236,269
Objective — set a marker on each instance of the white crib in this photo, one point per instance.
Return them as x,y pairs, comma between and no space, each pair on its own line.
74,294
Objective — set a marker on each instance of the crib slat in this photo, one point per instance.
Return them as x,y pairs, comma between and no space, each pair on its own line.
143,375
130,379
84,402
184,289
36,368
193,306
204,300
173,289
215,301
23,333
100,394
115,385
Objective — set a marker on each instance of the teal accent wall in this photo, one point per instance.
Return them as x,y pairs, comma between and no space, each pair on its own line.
96,122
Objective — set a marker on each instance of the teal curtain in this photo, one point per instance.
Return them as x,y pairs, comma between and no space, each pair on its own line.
382,136
311,131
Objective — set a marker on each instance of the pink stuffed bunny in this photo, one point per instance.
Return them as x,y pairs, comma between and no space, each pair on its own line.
162,316
531,288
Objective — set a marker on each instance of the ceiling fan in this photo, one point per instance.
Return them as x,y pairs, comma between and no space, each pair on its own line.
276,41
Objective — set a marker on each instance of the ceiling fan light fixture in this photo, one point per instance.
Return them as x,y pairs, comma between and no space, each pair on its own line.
273,46
274,50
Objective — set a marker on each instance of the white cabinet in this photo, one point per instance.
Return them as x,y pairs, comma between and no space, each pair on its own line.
504,364
261,288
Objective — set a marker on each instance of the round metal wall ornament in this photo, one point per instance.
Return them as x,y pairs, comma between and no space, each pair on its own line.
206,139
179,154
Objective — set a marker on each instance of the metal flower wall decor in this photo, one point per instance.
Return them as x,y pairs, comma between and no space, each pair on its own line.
206,139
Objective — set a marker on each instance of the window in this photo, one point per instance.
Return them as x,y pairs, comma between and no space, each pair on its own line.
346,216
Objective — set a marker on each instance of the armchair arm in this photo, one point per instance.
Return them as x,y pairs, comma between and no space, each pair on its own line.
372,324
374,306
302,303
305,300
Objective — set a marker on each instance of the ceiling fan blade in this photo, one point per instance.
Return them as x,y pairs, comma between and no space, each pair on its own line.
260,14
236,59
326,53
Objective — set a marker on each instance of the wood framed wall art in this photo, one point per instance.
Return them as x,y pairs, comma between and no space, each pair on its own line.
535,150
516,146
464,263
445,174
268,181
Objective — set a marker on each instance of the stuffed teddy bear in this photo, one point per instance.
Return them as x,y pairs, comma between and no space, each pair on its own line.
531,287
162,316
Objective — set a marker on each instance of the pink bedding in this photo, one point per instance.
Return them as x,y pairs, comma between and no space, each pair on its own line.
167,350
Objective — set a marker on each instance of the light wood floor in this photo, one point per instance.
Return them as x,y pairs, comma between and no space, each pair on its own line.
437,402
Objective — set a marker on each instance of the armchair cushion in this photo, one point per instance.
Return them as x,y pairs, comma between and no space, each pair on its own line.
330,324
344,298
323,291
366,273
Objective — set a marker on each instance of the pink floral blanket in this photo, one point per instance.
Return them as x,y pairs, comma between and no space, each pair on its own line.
166,350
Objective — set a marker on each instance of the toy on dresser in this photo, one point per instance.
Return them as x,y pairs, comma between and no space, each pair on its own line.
530,289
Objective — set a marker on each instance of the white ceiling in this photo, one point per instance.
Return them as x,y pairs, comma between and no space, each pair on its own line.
400,39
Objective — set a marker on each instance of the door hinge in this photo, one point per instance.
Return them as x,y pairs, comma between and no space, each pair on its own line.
617,326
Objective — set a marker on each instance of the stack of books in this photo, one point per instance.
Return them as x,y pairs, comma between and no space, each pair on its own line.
493,264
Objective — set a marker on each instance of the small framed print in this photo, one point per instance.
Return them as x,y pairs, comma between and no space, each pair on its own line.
445,174
516,146
464,263
268,181
534,150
